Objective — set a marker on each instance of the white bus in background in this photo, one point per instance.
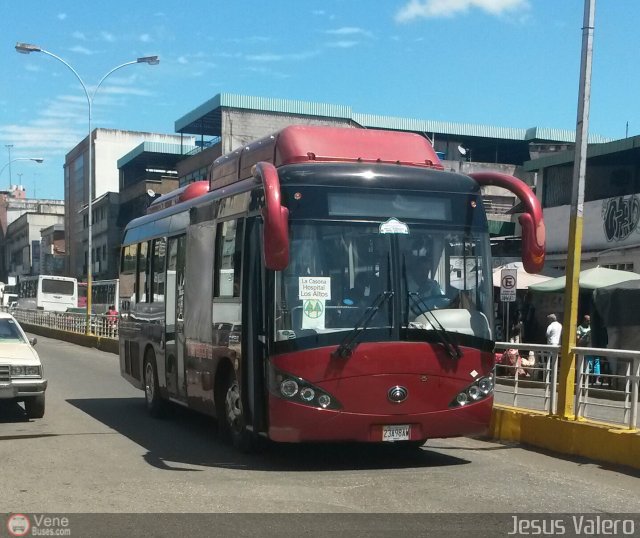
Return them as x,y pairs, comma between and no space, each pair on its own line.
48,292
104,293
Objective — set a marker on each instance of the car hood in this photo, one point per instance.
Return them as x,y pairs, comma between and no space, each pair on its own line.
14,352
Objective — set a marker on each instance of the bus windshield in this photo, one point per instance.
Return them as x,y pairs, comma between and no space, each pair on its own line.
338,270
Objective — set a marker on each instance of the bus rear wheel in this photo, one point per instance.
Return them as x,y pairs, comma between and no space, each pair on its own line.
231,419
155,404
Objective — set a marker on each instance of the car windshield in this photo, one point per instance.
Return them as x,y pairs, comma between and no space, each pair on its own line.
337,270
9,331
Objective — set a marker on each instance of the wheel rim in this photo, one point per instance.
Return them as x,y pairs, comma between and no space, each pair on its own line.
234,407
148,382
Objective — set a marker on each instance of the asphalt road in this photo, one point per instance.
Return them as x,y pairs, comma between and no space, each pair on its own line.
96,450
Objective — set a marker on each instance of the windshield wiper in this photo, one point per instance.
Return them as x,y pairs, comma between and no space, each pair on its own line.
346,347
451,347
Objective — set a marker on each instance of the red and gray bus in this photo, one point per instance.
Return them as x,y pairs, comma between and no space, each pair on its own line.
325,284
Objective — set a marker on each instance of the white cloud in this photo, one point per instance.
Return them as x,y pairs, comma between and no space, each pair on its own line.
108,36
123,90
271,57
79,35
81,50
62,16
33,68
349,30
426,9
343,44
319,12
183,60
145,38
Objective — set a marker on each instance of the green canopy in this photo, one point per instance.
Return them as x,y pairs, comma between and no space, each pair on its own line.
590,279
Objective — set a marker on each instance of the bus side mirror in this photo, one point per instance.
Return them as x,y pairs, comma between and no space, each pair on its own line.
533,231
276,219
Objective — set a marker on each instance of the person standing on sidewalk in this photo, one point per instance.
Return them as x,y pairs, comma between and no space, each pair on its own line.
583,333
554,330
554,333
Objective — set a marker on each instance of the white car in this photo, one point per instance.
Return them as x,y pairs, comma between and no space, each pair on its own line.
21,375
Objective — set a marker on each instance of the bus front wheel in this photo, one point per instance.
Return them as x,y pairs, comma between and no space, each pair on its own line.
231,419
155,404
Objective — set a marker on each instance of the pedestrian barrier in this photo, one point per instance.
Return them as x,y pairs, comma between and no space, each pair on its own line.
610,397
101,325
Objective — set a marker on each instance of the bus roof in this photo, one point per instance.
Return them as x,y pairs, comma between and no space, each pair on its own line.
313,144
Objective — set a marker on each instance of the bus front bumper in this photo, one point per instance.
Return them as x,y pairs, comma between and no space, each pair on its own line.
291,422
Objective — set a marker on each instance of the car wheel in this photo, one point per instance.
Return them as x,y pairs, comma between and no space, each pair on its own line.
155,403
34,406
231,419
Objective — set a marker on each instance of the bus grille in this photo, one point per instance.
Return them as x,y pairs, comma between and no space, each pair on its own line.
5,373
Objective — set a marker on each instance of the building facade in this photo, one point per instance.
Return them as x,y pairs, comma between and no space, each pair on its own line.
611,218
23,241
108,146
52,253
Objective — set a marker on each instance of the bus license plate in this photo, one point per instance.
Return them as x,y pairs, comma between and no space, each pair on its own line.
397,432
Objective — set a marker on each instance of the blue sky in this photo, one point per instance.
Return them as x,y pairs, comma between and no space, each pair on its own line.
511,63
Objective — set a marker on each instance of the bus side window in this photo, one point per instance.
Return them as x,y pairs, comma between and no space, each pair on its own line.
127,276
157,280
142,285
228,258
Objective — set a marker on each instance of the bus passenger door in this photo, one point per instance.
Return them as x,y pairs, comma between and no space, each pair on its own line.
174,327
254,395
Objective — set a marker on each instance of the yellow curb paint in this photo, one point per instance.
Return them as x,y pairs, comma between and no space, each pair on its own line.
585,438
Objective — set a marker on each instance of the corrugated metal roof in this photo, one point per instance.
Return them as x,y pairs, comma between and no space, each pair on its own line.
286,106
266,104
205,119
593,150
560,135
442,127
154,147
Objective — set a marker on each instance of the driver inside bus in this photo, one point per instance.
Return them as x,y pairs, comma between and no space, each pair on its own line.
420,284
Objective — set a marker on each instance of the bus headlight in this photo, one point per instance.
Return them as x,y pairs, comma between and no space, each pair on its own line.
295,389
288,388
478,390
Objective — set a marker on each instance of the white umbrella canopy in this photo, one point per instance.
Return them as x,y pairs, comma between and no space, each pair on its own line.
524,279
590,279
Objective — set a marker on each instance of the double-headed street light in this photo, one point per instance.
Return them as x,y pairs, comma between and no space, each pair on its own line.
26,48
38,160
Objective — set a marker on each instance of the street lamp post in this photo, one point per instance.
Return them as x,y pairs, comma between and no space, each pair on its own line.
34,159
9,146
26,48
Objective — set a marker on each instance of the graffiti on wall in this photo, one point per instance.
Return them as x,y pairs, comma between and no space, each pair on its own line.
620,217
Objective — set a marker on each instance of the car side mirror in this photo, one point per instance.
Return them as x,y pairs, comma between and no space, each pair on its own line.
33,341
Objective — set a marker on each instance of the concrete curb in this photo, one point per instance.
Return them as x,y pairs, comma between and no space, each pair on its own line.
593,440
110,345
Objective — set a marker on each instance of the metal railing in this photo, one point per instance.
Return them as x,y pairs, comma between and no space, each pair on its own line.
531,387
100,324
609,396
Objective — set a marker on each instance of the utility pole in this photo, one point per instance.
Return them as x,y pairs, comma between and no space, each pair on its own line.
566,382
